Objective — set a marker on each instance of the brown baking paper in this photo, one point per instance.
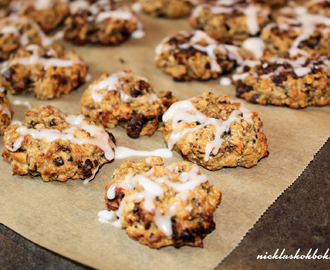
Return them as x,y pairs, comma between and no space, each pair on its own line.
63,217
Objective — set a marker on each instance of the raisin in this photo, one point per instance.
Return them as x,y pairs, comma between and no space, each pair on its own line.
52,123
87,172
310,43
279,79
33,124
242,88
112,138
88,163
143,85
135,125
58,161
254,98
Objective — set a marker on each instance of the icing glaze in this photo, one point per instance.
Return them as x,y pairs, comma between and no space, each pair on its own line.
152,188
195,41
100,89
185,112
250,10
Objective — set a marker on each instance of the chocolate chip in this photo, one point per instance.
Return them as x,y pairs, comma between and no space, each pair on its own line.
152,235
157,198
58,161
96,163
135,125
70,159
92,107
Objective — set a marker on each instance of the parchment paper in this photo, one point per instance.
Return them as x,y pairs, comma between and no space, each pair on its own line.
63,216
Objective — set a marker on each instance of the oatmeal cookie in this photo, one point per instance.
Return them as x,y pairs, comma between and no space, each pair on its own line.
167,8
319,7
271,2
308,32
47,13
5,111
57,146
161,205
237,20
102,22
128,100
16,32
195,55
46,72
296,82
215,132
4,3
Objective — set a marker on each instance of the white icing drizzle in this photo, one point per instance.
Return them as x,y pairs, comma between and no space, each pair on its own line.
5,110
185,112
196,40
136,7
250,10
152,186
305,25
102,10
9,25
109,217
123,152
298,66
99,90
36,58
99,138
225,81
24,102
88,77
86,181
254,45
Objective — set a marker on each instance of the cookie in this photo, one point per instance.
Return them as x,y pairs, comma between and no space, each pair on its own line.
237,20
4,3
102,22
319,7
57,146
308,32
46,72
215,132
161,205
296,82
195,55
47,13
5,111
272,2
16,32
167,8
128,100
